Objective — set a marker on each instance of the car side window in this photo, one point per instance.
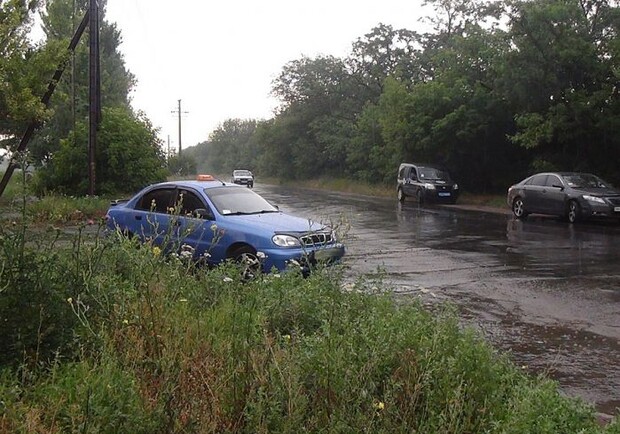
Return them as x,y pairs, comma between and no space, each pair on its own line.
189,202
159,200
538,180
553,180
401,172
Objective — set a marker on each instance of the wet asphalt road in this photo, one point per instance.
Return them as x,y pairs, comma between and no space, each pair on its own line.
543,290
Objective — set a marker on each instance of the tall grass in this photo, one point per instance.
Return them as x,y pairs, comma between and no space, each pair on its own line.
57,208
106,336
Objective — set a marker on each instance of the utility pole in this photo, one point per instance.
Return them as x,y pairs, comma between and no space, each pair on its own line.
94,111
179,113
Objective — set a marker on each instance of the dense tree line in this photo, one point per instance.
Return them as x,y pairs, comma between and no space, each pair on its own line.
497,90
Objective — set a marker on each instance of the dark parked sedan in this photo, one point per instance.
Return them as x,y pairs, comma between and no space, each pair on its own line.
574,196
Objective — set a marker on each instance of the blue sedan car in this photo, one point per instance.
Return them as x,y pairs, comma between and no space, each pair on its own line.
216,221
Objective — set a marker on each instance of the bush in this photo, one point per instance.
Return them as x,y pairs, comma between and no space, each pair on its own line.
138,342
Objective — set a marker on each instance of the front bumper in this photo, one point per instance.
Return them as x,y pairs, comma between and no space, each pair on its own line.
599,210
243,181
305,259
441,195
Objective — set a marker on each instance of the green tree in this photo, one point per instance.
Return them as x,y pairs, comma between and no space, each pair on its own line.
181,165
319,107
25,70
562,79
231,146
129,156
69,103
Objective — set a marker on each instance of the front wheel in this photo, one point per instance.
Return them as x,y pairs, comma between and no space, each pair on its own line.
518,208
248,262
401,195
574,212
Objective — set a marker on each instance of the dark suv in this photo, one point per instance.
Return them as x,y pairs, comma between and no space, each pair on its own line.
426,183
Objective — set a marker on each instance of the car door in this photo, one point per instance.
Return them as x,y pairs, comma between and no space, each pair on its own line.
554,195
194,227
152,214
411,178
534,194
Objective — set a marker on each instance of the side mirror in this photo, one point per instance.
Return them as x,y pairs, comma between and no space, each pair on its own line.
561,187
203,213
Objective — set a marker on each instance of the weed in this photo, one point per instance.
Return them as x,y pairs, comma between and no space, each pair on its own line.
105,334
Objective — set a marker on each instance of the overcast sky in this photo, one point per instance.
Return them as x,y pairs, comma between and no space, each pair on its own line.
220,57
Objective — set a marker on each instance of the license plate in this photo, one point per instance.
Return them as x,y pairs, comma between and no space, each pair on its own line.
445,194
617,208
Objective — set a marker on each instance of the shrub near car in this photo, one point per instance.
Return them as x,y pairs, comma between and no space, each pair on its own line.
217,221
571,195
425,183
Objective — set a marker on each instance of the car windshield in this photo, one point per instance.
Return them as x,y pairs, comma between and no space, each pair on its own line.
231,200
241,173
584,180
432,173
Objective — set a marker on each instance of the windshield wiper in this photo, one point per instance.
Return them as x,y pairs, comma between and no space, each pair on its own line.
263,211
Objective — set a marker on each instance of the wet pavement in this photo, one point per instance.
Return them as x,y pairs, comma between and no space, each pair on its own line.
543,290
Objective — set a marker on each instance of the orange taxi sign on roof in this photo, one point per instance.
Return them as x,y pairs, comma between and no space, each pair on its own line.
205,178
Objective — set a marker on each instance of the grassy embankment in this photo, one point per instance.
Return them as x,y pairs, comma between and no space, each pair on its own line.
102,335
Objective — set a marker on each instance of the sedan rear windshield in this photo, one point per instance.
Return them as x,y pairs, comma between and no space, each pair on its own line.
238,200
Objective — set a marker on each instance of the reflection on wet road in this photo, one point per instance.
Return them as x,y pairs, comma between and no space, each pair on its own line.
546,291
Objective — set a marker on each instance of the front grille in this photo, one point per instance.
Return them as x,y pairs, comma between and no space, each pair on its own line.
316,238
614,200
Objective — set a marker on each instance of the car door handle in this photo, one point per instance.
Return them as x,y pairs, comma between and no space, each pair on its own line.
137,217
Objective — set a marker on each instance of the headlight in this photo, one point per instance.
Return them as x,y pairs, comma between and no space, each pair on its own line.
593,198
429,186
285,241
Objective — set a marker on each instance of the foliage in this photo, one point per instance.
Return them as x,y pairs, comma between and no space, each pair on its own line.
128,157
55,208
497,90
69,103
140,342
182,165
25,70
231,146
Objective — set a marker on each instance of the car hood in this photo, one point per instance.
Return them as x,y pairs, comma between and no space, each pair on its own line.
599,192
276,222
439,181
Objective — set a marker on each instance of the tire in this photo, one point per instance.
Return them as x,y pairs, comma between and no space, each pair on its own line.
401,195
573,213
518,208
248,262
